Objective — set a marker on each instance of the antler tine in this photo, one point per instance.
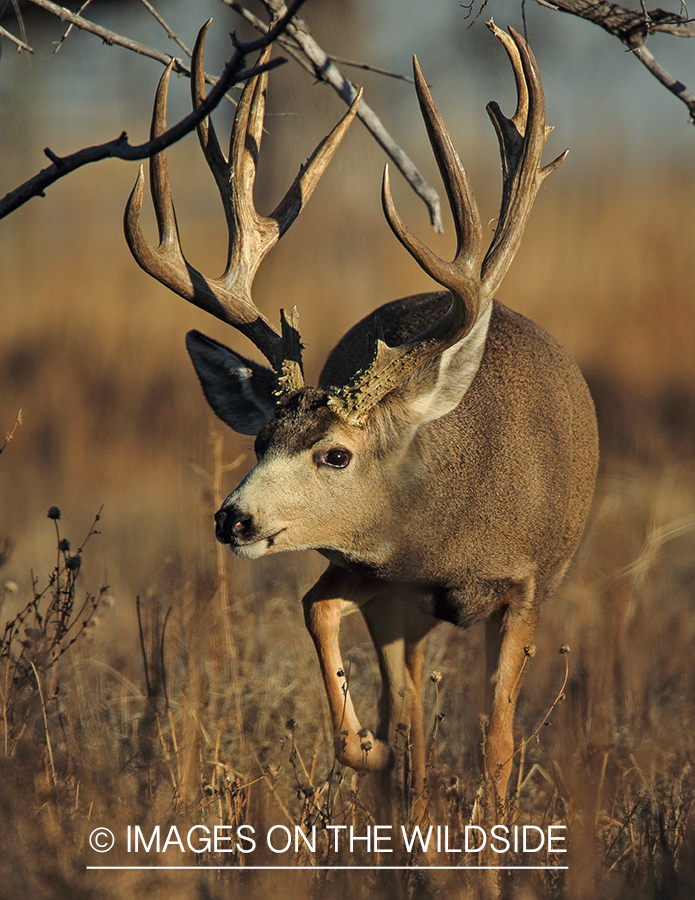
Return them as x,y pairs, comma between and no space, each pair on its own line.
522,141
250,235
166,263
206,133
461,275
310,173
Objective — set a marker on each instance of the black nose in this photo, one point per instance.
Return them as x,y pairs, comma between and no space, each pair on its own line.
231,525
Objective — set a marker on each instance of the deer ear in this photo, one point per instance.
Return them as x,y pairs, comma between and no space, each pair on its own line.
429,396
239,391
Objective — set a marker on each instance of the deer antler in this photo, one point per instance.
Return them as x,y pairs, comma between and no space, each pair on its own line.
251,235
522,140
471,277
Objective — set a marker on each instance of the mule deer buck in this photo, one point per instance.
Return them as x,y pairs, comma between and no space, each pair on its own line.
446,461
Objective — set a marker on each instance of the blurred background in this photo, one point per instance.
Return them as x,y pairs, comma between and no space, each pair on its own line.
92,353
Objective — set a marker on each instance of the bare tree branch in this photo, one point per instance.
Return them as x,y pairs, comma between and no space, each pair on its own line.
21,45
633,27
302,46
120,148
110,37
676,87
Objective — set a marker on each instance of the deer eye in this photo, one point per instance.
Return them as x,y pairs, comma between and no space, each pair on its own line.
337,458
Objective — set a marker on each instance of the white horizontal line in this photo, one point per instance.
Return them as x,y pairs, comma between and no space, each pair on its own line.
314,868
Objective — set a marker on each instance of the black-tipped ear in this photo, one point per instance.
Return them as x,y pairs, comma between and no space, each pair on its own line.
239,391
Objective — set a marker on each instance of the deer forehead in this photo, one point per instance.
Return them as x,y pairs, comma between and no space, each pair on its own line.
300,422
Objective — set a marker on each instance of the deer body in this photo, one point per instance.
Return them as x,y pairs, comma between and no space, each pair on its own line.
494,490
498,487
474,513
444,464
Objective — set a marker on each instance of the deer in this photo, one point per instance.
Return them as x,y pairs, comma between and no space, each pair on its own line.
445,463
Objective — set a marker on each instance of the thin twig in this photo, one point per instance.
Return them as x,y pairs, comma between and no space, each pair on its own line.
171,34
60,43
108,36
45,725
10,434
143,648
646,57
161,658
21,45
369,68
560,695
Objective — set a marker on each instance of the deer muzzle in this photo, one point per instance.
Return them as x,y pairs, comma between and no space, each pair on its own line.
232,526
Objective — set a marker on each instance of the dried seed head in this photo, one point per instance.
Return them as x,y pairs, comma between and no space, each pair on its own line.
340,673
63,545
73,562
530,650
564,648
435,677
53,513
291,724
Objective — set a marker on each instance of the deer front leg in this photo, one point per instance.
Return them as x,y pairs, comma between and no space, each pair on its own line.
398,628
324,605
508,635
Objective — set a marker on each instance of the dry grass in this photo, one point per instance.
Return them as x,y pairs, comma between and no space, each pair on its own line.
181,718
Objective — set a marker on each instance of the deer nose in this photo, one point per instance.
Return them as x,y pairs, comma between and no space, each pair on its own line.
231,525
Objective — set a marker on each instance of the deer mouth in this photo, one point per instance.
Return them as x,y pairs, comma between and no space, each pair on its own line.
252,548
